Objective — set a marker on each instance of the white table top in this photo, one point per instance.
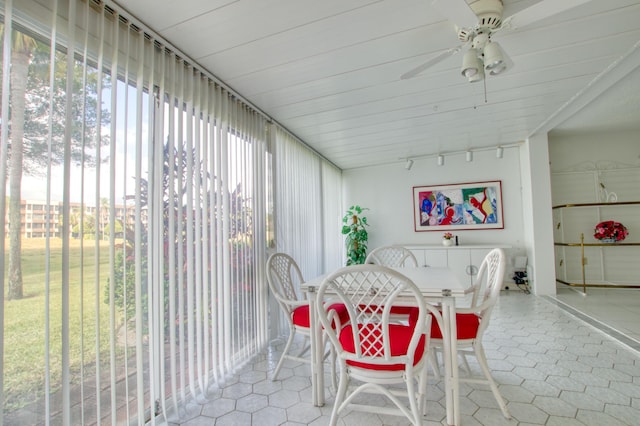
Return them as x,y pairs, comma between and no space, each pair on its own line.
432,282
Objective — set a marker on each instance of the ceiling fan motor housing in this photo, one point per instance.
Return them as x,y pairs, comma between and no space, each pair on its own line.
489,13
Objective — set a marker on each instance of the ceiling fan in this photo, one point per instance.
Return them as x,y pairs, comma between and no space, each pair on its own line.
476,23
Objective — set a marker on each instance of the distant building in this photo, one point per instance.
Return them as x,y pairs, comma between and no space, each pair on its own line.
36,220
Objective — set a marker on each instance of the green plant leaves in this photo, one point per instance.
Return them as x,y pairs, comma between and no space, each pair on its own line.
356,235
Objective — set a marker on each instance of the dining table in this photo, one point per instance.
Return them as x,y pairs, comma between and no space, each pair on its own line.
437,285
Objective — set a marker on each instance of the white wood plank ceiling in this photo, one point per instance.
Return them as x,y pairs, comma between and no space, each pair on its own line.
329,71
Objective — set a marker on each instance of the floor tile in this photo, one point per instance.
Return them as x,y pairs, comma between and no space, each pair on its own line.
554,364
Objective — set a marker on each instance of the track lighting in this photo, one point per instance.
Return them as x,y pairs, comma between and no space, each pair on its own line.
409,164
468,153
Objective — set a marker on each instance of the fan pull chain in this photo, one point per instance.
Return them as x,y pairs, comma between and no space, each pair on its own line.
484,83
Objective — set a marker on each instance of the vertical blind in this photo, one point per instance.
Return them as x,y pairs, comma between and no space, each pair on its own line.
308,196
145,230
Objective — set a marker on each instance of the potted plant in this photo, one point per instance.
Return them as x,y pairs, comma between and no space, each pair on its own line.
354,228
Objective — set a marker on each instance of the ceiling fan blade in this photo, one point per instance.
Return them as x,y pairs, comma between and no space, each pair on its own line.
431,62
456,11
539,11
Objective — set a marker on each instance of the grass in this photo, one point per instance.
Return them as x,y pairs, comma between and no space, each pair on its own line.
24,338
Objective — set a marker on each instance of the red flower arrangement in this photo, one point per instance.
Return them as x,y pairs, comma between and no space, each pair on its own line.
610,230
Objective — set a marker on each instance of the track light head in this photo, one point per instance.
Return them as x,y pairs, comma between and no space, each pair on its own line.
469,156
499,152
440,160
409,164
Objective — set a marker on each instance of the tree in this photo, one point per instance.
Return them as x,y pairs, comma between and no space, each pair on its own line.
30,110
118,229
89,231
174,187
175,183
104,218
23,47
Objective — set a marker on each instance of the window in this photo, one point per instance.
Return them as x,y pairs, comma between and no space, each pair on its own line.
154,304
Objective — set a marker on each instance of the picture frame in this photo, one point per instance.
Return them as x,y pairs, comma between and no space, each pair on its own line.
459,206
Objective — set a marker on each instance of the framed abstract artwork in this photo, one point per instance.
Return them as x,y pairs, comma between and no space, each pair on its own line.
474,205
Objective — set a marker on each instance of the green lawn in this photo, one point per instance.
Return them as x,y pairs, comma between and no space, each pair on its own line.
24,328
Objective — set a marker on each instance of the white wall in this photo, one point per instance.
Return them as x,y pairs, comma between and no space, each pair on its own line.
525,176
568,151
388,192
538,215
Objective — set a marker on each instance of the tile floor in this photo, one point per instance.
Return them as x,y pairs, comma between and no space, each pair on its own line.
554,368
618,309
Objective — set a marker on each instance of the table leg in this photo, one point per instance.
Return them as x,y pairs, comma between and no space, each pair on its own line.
317,367
451,383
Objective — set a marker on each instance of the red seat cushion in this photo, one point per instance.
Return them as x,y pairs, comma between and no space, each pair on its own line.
400,336
301,314
466,324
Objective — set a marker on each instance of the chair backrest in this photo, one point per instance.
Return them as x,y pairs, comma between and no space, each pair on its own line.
488,285
284,277
368,292
392,256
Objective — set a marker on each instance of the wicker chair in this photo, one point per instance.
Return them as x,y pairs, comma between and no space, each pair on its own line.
373,349
472,322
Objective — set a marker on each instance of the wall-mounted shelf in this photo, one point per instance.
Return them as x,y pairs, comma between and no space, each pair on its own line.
599,257
597,244
617,203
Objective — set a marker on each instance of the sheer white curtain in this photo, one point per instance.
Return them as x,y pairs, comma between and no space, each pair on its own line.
144,231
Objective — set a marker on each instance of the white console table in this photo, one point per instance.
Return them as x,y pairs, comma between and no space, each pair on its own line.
463,260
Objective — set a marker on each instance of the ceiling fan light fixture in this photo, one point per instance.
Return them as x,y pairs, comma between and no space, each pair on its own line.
470,63
493,59
498,70
479,76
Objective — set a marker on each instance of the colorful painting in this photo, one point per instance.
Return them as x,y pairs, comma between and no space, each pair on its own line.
476,205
